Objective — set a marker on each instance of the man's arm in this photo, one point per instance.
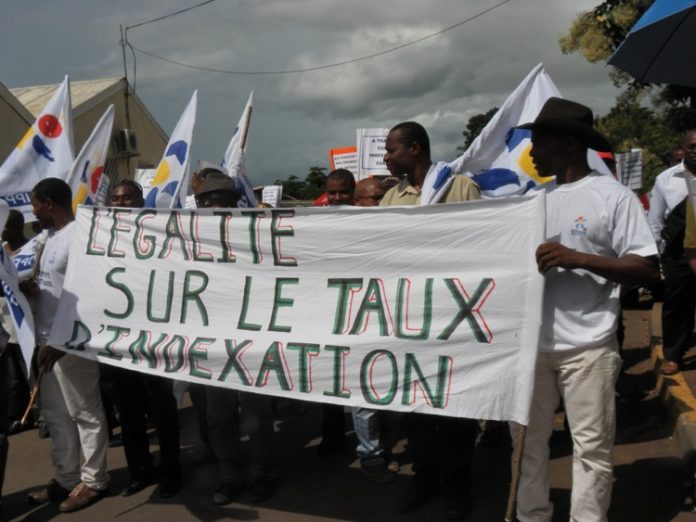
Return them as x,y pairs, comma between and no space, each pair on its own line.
658,205
629,269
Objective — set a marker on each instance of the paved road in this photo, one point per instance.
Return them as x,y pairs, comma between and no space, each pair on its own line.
649,472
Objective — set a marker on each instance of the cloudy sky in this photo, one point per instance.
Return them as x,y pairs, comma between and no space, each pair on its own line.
439,82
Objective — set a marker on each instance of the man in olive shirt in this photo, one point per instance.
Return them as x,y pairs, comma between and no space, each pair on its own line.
440,446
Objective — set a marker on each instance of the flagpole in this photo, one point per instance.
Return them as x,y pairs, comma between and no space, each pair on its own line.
520,437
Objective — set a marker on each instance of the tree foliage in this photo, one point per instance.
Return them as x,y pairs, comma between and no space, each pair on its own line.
309,188
474,127
645,116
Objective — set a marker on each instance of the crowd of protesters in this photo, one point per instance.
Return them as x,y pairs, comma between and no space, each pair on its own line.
578,362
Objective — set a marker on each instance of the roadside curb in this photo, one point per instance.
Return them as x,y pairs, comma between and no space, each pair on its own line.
673,390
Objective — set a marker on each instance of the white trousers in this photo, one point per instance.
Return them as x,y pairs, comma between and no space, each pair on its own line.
585,380
71,404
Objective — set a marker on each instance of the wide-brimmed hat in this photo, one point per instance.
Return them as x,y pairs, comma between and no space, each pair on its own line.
217,182
206,167
570,118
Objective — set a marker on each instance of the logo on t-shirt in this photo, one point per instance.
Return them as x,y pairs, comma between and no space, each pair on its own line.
580,229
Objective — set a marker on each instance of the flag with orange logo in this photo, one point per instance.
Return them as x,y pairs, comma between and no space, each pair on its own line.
172,168
45,151
88,167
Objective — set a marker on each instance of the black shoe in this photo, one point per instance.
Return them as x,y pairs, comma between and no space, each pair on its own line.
419,493
115,441
53,492
18,427
456,503
136,485
170,486
378,472
227,492
330,445
261,490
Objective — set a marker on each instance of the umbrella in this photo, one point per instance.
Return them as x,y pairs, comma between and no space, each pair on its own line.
661,46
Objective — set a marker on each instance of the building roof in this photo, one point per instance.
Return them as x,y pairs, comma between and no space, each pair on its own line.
35,98
14,104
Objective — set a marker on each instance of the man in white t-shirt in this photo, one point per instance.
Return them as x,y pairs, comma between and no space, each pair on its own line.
70,397
597,238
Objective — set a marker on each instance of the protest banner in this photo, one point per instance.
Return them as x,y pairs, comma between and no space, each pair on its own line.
45,151
371,153
344,158
629,167
432,309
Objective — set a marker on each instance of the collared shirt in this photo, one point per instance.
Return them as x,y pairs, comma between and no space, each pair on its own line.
690,234
462,189
669,190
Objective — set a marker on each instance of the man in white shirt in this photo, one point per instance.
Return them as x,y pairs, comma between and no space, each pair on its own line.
667,221
70,397
598,238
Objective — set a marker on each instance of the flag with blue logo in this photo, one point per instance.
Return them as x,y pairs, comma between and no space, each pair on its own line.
235,156
172,170
86,172
17,304
45,151
498,159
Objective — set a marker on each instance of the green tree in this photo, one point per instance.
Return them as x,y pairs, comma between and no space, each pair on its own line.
474,127
315,182
645,116
293,187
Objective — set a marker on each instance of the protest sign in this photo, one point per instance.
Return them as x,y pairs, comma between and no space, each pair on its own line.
272,195
629,167
432,309
344,158
371,153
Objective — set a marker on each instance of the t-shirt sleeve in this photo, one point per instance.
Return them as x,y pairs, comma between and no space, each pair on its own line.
690,235
632,234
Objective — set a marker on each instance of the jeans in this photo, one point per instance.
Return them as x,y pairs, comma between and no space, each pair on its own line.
366,424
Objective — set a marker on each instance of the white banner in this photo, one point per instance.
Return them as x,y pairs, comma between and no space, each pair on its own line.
371,153
431,309
172,170
45,151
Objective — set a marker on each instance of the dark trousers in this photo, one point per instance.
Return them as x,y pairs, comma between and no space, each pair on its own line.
136,395
5,399
19,386
256,461
441,446
678,307
333,423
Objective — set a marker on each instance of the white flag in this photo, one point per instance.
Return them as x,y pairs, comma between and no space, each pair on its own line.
235,155
172,168
498,159
18,305
45,151
86,173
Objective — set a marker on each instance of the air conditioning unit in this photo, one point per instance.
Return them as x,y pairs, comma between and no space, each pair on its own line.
126,143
